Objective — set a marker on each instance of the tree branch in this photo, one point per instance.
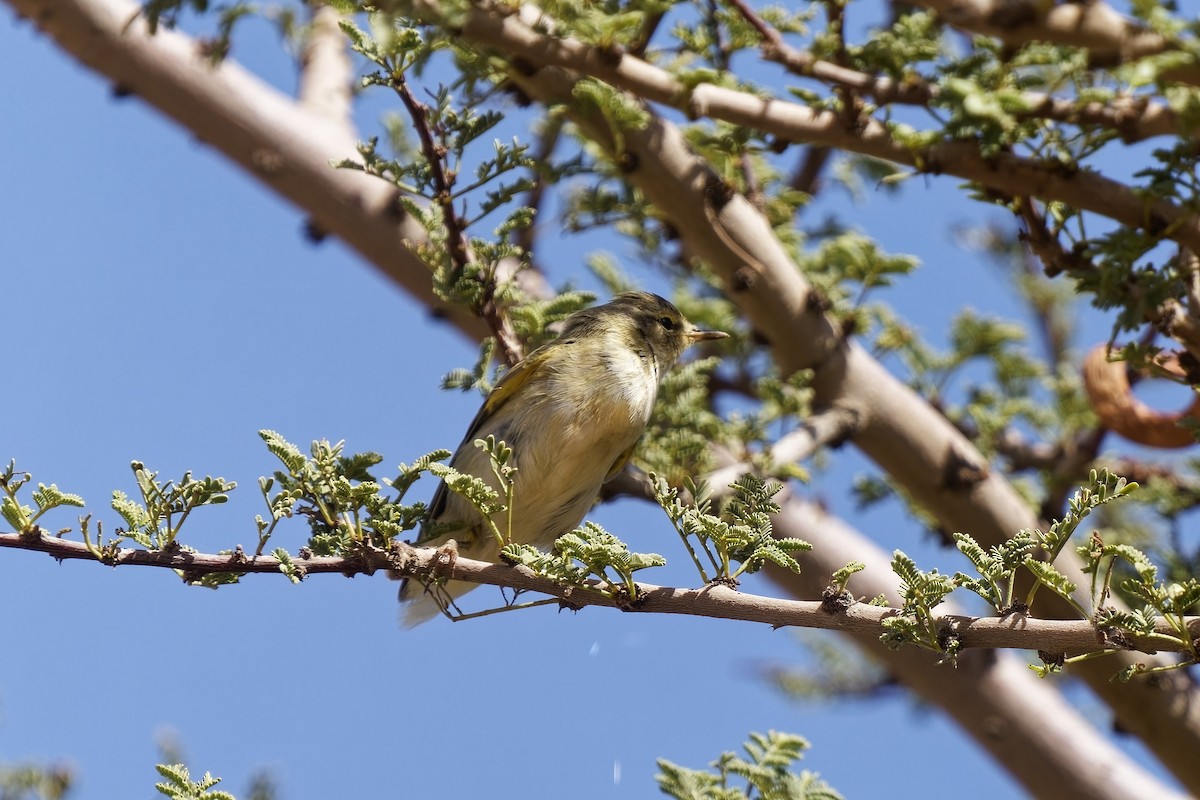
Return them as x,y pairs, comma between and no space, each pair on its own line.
715,601
1021,720
1109,37
274,138
325,68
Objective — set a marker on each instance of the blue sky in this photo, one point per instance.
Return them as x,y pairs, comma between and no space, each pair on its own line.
160,305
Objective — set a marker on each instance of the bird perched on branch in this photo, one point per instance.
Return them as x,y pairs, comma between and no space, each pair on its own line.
572,412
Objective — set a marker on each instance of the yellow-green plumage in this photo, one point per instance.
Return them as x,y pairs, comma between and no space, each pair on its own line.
572,412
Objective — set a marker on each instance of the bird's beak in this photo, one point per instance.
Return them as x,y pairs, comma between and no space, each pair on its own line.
702,336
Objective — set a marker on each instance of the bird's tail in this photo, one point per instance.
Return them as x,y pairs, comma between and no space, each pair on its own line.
421,600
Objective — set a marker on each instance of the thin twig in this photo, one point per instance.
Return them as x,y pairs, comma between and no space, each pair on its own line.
462,255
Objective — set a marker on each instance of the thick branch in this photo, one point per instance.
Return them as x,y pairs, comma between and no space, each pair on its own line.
325,68
716,601
1109,37
274,138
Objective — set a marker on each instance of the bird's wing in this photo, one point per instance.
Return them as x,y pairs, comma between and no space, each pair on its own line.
501,393
620,463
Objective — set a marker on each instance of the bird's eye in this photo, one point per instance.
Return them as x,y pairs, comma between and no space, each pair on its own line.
667,323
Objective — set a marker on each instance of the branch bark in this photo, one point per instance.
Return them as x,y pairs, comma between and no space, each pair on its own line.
1109,37
325,68
274,138
716,601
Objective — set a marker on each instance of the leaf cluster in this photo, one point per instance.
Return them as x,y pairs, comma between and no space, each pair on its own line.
482,496
180,786
32,781
154,522
1034,551
736,531
767,770
24,518
587,552
462,180
683,427
344,506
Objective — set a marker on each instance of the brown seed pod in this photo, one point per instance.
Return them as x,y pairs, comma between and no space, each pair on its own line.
1111,397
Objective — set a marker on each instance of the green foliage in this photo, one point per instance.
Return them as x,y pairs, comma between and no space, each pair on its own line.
532,319
450,129
767,771
180,786
587,552
1103,487
336,495
920,591
477,377
841,577
35,782
620,112
997,568
154,522
1162,600
1163,603
683,427
740,531
479,493
24,518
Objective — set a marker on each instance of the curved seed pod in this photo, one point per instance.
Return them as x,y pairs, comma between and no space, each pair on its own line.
1111,397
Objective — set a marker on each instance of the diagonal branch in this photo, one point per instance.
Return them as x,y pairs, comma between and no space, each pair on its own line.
1109,37
325,67
275,139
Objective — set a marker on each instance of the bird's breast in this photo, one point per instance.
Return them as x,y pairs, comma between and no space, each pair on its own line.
611,392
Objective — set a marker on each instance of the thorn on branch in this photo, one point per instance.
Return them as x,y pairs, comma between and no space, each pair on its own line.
743,279
961,473
313,232
1116,639
627,162
834,601
816,302
717,193
1053,660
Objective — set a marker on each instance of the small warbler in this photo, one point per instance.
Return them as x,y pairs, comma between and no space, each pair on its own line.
572,411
